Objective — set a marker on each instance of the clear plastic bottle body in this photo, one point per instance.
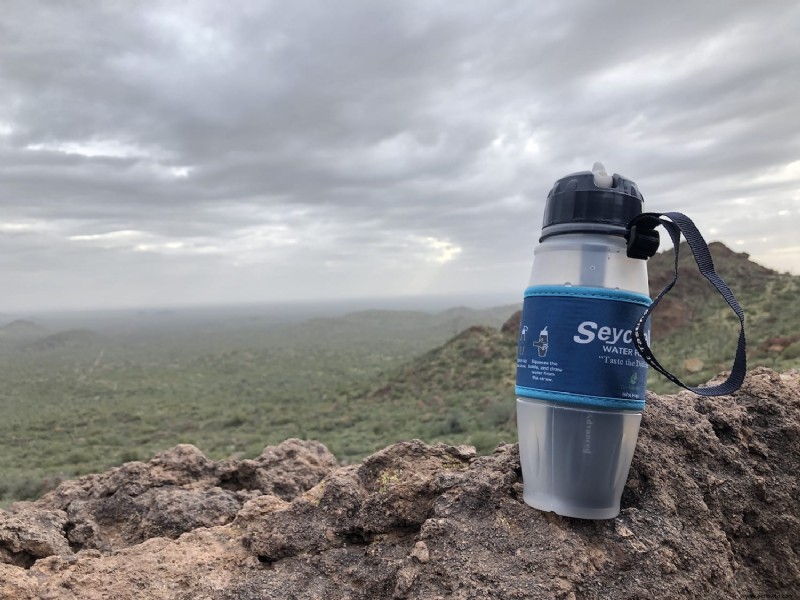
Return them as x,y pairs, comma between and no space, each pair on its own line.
575,459
588,259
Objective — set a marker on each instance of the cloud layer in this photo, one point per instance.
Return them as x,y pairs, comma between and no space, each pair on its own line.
175,153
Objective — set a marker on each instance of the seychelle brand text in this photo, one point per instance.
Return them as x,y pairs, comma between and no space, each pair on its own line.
603,333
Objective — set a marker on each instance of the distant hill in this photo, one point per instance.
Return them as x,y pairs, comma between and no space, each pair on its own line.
460,390
476,359
71,338
696,332
466,385
365,326
22,329
680,306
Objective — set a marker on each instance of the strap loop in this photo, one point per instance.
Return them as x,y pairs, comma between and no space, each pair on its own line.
642,227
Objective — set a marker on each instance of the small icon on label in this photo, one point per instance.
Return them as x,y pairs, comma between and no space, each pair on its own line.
542,343
522,333
634,379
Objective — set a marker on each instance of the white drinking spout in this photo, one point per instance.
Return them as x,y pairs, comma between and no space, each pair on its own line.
601,176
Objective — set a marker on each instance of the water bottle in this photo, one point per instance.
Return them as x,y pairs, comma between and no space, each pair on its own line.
580,381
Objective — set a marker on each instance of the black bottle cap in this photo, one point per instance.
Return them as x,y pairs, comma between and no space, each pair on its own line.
577,204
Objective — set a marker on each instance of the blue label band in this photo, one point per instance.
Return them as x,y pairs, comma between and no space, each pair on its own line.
588,292
566,398
576,347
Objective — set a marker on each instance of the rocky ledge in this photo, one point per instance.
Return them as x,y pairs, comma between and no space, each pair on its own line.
710,510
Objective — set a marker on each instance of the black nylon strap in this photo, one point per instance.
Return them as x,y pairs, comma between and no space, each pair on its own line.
679,223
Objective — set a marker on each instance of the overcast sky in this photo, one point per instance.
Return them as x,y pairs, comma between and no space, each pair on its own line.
206,152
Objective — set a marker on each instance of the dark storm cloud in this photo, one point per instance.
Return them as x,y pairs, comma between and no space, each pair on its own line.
380,147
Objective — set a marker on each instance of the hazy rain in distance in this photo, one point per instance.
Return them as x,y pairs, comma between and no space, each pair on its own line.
166,153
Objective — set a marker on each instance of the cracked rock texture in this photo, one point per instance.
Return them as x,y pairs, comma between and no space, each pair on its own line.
711,510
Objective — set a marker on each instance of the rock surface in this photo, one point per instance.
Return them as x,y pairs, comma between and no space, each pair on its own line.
711,510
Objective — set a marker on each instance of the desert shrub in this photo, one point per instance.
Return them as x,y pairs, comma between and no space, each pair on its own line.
129,456
499,413
236,419
18,487
485,441
792,352
455,422
77,457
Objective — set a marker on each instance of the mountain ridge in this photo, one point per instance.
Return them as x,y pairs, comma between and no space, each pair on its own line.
469,380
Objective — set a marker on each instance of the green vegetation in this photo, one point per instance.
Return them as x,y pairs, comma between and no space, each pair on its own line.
694,322
79,401
76,402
